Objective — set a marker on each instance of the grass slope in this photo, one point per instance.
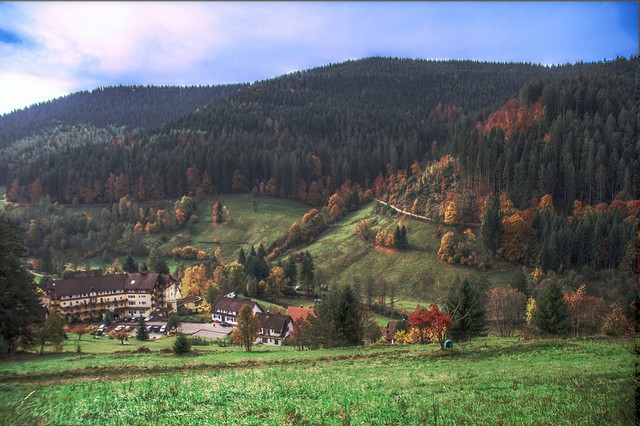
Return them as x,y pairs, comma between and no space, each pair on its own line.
487,381
416,272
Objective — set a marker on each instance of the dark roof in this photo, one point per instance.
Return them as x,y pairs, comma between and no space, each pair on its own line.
297,312
111,282
277,322
234,304
189,299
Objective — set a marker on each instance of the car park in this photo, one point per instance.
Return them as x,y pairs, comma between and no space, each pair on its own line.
120,327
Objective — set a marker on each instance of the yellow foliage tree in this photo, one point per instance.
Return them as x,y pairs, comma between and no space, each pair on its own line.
194,280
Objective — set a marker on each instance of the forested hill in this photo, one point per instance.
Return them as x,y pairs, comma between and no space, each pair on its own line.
145,107
306,133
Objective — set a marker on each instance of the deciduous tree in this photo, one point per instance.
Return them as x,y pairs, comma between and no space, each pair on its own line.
247,329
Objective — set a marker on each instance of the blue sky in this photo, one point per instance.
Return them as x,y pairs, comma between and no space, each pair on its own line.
52,49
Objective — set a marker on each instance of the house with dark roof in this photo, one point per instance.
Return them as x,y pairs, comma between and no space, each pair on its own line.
300,312
273,329
90,297
226,309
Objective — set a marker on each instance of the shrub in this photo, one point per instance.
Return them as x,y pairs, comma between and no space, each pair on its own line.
143,349
182,345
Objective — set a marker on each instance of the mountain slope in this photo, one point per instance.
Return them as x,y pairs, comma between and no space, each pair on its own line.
145,107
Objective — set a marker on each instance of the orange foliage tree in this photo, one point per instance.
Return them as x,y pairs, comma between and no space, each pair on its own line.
586,311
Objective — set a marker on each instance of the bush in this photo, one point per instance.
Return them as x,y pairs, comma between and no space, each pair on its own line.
182,345
143,349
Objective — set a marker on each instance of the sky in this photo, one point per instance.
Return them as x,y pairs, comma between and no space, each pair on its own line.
51,49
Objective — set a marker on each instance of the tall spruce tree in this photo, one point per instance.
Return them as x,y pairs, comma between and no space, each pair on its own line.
20,308
552,315
466,307
490,227
141,330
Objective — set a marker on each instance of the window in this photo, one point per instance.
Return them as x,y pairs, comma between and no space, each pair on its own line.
132,303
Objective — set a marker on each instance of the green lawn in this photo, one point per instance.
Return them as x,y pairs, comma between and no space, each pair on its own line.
487,381
416,273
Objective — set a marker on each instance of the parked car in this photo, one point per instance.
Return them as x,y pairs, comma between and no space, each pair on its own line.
127,328
149,328
102,327
149,318
163,329
126,319
156,328
225,324
120,327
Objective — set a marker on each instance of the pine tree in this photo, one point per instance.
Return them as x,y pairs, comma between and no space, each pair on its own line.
156,262
20,308
130,265
465,305
490,227
181,345
141,330
291,270
242,258
307,273
552,315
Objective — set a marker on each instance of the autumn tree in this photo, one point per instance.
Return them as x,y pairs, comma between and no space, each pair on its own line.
299,337
247,329
219,213
121,335
586,311
506,308
194,281
430,323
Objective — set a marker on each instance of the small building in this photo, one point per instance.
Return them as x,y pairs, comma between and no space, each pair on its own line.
273,329
189,304
300,312
226,309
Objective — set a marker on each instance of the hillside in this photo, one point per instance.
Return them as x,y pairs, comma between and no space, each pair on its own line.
144,107
352,119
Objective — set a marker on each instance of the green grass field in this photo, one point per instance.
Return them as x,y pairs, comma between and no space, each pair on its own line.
418,275
487,381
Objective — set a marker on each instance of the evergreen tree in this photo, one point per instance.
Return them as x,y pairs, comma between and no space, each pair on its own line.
156,262
20,308
552,315
490,227
242,258
107,318
341,320
291,270
130,265
465,305
181,345
141,330
307,272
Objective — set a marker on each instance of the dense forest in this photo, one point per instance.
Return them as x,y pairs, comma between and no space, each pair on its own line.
145,107
549,154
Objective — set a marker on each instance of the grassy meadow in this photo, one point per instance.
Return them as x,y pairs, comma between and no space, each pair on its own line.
419,277
486,381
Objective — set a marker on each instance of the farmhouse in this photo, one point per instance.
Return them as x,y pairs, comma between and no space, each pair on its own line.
273,328
226,309
90,297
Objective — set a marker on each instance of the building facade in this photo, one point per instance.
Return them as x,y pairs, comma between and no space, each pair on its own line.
122,295
226,309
